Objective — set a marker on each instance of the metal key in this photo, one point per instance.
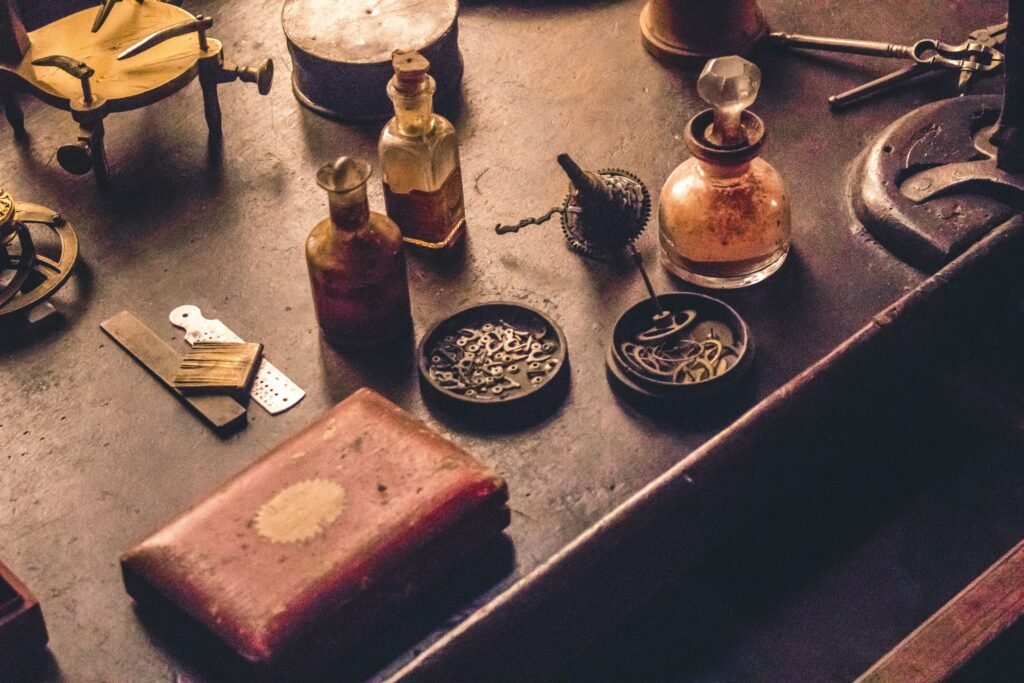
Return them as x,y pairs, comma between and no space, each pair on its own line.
981,52
927,51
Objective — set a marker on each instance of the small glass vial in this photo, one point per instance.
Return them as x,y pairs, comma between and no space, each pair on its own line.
724,216
356,263
419,158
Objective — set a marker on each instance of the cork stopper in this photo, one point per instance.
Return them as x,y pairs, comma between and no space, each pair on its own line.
410,71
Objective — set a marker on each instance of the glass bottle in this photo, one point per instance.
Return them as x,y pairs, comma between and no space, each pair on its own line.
356,263
419,158
724,215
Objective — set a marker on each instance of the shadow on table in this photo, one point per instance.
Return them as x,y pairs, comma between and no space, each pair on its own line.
826,584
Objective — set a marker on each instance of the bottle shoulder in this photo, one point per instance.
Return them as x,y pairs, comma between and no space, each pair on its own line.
380,236
440,130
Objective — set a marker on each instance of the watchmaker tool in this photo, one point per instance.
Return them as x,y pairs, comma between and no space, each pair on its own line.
944,175
493,358
69,66
981,53
33,264
692,347
602,216
221,412
271,388
603,213
214,367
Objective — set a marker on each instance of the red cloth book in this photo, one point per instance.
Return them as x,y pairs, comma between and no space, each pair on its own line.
321,533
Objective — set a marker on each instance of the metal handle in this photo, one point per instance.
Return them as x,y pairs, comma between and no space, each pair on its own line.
198,25
78,69
971,54
871,88
262,75
101,16
855,47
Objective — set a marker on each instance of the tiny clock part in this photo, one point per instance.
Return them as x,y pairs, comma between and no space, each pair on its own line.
419,158
356,263
494,357
724,214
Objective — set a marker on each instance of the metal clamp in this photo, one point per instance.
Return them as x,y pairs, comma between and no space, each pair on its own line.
79,70
201,24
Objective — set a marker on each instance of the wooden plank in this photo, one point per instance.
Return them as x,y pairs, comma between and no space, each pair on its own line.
959,631
220,412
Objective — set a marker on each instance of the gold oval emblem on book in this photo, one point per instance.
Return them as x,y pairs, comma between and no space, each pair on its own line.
300,512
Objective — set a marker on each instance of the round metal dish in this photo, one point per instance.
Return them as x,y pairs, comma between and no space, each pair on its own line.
694,319
495,359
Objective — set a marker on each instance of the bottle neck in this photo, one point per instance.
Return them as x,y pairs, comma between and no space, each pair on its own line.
414,111
721,173
350,210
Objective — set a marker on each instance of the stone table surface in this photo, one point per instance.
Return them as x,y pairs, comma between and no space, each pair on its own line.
95,454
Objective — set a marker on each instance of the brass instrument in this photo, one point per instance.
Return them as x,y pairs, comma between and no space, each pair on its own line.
80,64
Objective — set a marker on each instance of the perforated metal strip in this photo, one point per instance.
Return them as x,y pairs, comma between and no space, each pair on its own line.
271,388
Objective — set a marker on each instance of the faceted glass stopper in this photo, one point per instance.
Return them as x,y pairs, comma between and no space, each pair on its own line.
729,85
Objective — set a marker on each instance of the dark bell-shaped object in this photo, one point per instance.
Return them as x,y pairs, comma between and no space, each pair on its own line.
605,212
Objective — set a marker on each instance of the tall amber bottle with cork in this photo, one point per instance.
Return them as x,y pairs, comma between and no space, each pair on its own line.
356,263
419,158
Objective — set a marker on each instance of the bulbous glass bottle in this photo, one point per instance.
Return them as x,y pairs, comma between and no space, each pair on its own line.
724,214
356,263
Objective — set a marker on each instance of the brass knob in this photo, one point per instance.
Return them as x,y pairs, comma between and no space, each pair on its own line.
75,158
262,75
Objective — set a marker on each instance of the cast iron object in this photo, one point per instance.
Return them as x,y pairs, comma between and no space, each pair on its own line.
105,78
30,277
532,399
931,233
653,391
341,51
693,31
942,176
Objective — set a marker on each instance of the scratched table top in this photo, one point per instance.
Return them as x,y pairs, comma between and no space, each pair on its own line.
95,454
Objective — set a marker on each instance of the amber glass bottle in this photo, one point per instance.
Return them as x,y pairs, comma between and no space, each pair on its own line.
419,158
356,263
724,216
